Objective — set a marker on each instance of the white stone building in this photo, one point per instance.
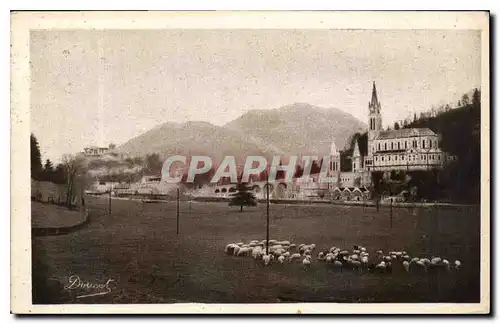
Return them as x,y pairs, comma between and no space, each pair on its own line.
408,149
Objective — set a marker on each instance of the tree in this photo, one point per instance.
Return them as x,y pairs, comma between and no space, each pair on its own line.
153,164
48,167
243,196
74,173
48,170
36,158
59,175
476,98
465,99
396,125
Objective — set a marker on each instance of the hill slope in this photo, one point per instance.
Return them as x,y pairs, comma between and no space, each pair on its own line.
297,129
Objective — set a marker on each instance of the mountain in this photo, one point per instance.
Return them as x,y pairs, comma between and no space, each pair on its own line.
297,129
193,138
300,128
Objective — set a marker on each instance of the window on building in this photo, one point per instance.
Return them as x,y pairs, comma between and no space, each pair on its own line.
406,145
423,143
379,146
430,144
425,157
402,157
389,158
396,158
439,157
399,146
392,146
385,146
382,158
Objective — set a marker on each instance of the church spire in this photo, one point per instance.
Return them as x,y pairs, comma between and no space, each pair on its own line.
374,94
374,104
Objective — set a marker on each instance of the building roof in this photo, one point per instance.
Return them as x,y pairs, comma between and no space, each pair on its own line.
404,133
390,151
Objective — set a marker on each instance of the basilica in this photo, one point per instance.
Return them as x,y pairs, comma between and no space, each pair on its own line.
407,149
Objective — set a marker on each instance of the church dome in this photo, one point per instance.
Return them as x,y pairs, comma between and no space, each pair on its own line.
333,149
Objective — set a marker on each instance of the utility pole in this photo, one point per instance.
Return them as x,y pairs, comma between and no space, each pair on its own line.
177,210
391,212
109,203
267,227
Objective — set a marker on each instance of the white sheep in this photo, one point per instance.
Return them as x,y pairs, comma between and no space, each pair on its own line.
307,261
244,251
435,260
321,256
421,264
240,244
329,259
381,266
230,248
257,253
295,256
281,259
363,249
406,265
236,249
355,264
337,264
307,252
446,263
458,264
267,259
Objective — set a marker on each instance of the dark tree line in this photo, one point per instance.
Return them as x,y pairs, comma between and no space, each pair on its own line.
46,172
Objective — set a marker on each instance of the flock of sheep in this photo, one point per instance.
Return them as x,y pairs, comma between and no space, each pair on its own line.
358,258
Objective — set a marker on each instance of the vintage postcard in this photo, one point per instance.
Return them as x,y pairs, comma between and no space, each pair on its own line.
250,162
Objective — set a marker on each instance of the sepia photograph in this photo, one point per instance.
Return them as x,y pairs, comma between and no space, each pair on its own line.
315,163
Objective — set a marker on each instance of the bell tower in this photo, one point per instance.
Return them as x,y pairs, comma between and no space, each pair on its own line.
374,119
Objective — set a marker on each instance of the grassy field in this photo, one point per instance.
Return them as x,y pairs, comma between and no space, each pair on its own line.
137,246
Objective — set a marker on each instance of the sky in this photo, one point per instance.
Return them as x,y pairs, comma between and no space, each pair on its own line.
91,87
